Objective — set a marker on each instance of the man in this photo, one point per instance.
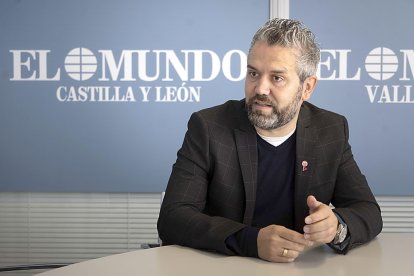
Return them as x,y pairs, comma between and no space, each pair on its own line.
256,177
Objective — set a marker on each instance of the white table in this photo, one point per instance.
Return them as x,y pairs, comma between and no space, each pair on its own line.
390,254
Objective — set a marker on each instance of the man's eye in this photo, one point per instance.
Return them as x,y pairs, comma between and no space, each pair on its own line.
253,74
277,78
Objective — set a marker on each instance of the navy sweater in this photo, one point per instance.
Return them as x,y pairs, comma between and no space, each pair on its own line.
274,195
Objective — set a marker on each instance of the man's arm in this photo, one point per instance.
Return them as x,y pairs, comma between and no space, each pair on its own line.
353,202
183,217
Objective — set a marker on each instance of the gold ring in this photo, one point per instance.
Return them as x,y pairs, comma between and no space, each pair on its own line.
285,252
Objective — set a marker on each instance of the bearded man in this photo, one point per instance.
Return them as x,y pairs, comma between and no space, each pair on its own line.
271,174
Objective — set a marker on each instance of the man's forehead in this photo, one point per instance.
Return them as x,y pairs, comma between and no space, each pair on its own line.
275,58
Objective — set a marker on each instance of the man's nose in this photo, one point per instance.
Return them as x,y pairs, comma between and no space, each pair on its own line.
263,87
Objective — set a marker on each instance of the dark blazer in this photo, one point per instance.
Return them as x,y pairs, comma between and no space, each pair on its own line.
212,188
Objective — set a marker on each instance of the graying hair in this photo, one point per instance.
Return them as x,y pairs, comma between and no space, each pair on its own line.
292,34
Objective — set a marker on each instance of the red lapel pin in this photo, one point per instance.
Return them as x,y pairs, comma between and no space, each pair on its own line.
304,165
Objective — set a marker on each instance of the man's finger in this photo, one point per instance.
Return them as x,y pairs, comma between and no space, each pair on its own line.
294,237
316,217
312,203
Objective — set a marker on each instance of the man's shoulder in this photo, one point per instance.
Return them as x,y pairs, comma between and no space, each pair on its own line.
230,112
312,114
231,107
229,115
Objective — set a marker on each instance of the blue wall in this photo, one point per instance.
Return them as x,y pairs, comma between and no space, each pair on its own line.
95,95
367,75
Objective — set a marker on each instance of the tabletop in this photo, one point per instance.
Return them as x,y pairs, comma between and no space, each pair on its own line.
388,254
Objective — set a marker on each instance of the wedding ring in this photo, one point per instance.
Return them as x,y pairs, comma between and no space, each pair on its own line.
285,252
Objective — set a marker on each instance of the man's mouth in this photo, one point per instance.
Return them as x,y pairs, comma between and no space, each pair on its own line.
260,103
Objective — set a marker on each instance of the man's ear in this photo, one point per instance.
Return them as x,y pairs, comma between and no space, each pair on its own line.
308,86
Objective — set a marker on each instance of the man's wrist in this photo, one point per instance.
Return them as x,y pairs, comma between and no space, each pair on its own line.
341,232
244,242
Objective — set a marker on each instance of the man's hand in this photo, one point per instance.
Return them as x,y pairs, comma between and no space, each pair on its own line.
321,224
279,244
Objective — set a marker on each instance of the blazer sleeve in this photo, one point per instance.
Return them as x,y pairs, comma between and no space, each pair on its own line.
354,201
182,218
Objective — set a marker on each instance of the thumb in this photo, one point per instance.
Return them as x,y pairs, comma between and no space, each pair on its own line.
312,203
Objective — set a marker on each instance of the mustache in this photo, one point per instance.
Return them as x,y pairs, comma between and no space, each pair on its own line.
263,99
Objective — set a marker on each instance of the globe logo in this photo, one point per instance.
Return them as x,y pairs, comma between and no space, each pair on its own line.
80,64
381,63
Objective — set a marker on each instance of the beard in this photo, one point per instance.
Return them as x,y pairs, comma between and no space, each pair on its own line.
279,116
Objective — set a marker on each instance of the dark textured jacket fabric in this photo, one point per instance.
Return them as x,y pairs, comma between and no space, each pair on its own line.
212,188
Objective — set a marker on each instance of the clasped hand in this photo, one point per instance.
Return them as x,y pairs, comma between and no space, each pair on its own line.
276,243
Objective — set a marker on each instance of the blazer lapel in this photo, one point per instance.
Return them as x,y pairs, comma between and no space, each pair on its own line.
305,164
246,144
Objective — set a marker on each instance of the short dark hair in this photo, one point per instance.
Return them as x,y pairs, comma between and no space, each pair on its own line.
292,34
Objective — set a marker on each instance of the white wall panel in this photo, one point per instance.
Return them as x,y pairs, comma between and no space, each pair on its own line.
397,213
71,227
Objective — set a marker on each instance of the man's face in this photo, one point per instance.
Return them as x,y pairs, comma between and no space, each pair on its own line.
273,90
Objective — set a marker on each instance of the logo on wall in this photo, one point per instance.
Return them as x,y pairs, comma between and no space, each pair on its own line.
391,73
111,70
109,76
